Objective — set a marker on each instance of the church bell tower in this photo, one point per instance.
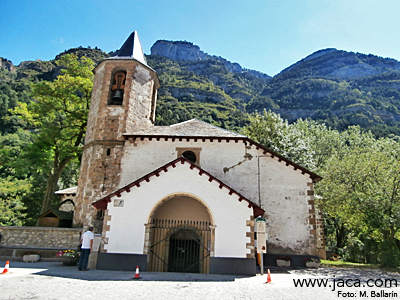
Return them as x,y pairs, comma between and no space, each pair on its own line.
123,99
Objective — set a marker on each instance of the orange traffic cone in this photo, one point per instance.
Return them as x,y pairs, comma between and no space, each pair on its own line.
137,273
5,271
268,277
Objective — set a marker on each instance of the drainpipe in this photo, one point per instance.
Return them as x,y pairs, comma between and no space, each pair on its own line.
259,175
259,203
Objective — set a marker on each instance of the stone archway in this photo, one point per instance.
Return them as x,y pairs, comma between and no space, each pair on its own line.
180,235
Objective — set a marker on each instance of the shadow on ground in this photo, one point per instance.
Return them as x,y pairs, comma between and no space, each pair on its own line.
57,269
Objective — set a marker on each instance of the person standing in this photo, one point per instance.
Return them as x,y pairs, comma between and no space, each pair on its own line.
86,248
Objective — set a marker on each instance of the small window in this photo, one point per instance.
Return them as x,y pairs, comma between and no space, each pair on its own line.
190,156
108,152
153,105
100,214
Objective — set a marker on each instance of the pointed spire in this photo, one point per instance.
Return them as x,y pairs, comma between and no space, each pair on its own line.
132,48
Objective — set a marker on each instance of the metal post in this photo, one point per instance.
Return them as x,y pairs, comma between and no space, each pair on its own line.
262,264
261,241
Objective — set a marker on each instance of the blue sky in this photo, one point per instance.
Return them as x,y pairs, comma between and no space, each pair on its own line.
263,35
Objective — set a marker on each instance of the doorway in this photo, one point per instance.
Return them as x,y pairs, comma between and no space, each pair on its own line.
184,252
181,236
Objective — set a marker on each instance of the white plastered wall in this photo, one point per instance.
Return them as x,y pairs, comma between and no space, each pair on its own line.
284,197
127,225
143,157
282,191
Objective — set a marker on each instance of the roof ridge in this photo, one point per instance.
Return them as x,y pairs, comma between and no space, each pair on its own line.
69,190
215,126
187,121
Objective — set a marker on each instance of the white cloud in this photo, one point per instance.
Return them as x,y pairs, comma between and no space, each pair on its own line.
58,41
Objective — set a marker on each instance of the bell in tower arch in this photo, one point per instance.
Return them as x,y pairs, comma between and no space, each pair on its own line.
118,88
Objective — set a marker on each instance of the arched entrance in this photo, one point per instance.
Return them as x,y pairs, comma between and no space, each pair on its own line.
181,235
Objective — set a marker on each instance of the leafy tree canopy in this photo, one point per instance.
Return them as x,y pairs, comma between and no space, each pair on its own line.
360,191
58,116
270,130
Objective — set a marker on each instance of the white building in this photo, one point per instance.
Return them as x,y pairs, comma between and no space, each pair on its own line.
183,197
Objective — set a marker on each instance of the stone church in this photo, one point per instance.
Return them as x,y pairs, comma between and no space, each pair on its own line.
183,198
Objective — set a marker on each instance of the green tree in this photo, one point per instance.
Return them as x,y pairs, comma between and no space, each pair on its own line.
361,186
360,191
12,191
322,141
13,186
59,116
270,130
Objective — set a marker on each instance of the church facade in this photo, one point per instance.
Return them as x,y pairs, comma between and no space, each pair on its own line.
183,198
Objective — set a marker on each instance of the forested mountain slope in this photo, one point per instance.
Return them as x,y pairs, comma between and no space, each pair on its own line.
340,88
336,87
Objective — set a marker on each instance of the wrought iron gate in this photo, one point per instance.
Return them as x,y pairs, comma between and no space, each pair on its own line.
180,246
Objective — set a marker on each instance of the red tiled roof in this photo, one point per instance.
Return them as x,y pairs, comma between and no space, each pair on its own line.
102,203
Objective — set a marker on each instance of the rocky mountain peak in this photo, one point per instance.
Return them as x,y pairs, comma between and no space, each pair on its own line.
342,64
183,50
7,64
178,50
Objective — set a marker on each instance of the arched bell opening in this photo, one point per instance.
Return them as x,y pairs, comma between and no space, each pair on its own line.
117,92
180,236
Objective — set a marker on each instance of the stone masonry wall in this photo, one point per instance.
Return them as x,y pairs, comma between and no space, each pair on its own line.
316,224
40,237
100,169
110,122
104,142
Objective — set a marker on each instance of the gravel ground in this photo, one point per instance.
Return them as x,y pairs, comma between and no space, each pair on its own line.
52,280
